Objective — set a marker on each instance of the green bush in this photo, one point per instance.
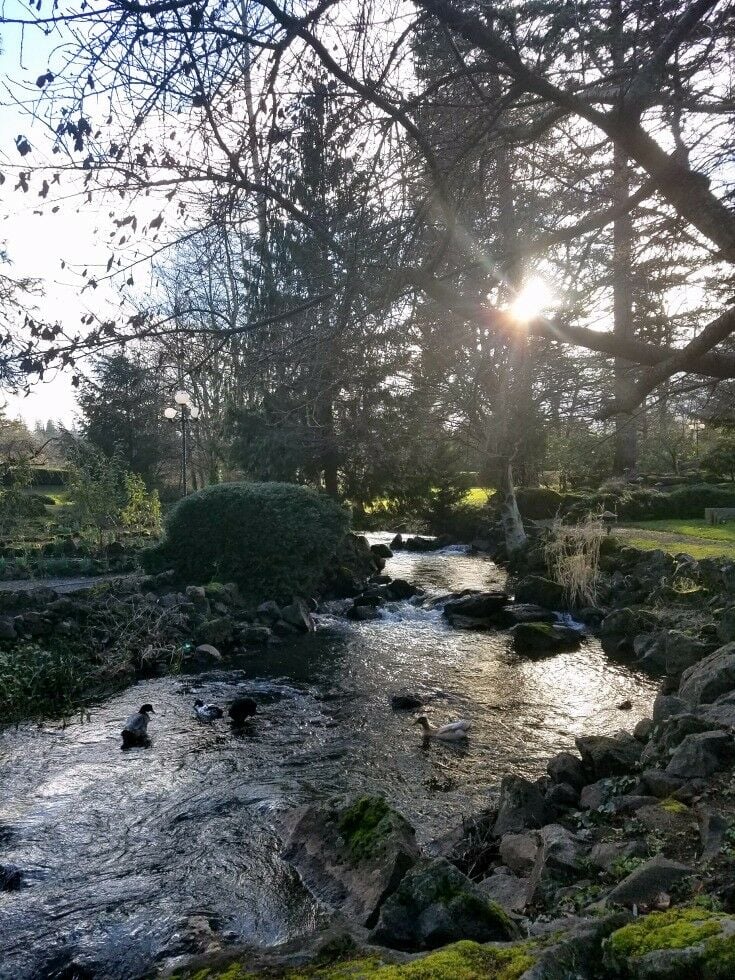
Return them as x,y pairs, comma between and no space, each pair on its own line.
274,539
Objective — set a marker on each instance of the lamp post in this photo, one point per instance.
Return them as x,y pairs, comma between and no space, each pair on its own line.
696,427
184,411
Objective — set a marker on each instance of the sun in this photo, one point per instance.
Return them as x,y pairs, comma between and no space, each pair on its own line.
532,299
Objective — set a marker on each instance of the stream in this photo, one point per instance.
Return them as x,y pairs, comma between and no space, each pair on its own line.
127,854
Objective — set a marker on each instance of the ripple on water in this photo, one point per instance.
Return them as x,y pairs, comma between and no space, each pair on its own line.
123,849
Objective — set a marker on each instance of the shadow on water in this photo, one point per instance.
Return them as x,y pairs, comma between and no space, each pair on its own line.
124,853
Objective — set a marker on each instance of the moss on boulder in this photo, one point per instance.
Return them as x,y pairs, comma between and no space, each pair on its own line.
681,943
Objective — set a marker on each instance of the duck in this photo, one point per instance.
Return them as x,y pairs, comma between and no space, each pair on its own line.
452,732
207,712
242,709
135,732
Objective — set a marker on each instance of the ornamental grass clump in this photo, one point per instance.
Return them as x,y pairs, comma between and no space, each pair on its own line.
572,553
275,540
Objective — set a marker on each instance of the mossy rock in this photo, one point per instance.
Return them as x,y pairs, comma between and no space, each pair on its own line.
679,944
464,960
367,824
436,904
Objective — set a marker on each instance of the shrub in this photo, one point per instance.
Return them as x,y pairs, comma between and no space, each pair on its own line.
274,539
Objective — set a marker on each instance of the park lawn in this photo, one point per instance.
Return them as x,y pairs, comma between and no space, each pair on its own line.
693,537
474,497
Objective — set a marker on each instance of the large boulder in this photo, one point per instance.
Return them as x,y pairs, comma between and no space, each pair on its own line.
567,768
522,806
507,891
627,622
544,638
352,858
648,881
710,678
701,754
540,591
673,651
297,614
485,606
609,755
436,904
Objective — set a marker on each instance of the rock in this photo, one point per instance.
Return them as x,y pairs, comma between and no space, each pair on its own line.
518,852
7,628
170,600
401,589
507,891
372,598
270,611
11,878
558,855
541,591
726,625
282,628
563,796
203,657
674,651
405,701
596,795
297,614
36,624
643,729
435,904
669,817
544,638
216,632
381,550
352,858
646,883
397,542
605,755
625,706
521,806
710,678
363,614
567,768
254,635
241,709
713,828
479,605
701,755
527,612
196,595
626,622
576,955
606,854
659,783
667,705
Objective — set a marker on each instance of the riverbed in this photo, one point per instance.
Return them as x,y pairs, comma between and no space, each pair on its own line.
128,855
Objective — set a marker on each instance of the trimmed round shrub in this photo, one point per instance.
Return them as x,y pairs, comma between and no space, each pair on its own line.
538,503
275,540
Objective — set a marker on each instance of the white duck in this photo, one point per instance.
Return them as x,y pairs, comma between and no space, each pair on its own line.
452,732
207,712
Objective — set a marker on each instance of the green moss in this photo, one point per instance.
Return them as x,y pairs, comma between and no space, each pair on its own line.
676,929
464,960
673,806
367,823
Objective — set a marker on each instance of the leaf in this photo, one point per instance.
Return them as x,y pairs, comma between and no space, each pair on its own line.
156,222
22,145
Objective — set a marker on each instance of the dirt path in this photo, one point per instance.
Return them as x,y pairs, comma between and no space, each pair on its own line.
60,585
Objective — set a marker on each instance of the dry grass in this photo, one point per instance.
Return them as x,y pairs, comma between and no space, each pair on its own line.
572,554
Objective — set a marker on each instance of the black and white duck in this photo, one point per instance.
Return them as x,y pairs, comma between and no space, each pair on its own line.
241,709
207,712
135,732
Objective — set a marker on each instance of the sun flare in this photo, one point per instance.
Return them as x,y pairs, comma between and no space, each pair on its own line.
533,298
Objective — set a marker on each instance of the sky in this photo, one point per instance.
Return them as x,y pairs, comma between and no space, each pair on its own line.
37,243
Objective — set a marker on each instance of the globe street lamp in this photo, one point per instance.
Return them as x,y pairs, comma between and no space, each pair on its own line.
182,413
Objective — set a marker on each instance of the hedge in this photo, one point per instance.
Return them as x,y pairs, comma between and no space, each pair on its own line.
275,540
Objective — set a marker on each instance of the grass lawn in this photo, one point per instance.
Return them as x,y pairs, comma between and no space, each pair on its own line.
695,537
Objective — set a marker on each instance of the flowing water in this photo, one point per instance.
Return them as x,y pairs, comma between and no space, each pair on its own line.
124,853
